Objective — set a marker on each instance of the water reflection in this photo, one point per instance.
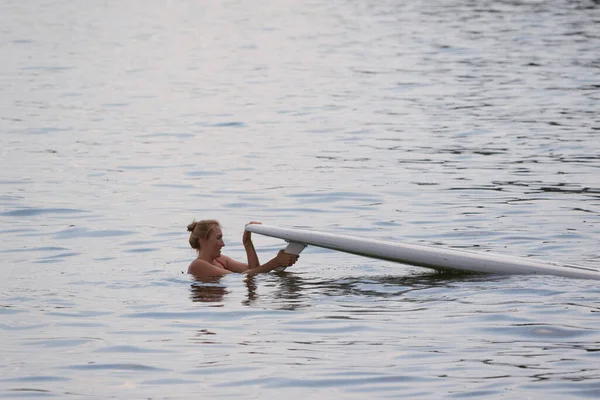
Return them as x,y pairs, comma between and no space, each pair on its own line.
203,336
211,290
208,290
291,291
250,282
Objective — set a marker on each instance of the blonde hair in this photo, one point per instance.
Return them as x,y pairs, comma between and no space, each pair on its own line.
201,230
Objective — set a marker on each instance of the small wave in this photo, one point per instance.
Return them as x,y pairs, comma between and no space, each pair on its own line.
115,367
28,212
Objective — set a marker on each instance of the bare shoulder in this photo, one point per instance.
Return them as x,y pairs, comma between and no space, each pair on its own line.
194,266
204,268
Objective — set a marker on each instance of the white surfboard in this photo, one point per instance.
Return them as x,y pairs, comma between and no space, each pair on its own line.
419,255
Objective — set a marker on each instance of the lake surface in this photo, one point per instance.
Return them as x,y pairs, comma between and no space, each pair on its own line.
463,124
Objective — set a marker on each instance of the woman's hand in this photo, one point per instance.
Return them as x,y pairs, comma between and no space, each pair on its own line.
247,237
286,259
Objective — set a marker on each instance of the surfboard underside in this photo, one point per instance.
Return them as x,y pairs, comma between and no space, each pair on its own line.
424,256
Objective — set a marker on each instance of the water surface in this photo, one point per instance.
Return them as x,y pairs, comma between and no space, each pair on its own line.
454,123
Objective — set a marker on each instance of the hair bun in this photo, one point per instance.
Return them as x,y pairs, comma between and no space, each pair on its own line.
191,226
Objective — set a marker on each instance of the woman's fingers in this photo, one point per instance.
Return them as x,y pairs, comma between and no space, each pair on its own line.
289,259
247,237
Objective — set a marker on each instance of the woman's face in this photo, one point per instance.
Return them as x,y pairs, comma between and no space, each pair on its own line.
214,242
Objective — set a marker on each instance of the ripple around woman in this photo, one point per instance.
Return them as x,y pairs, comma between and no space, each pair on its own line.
207,238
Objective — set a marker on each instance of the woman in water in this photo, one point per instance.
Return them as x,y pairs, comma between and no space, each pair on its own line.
207,238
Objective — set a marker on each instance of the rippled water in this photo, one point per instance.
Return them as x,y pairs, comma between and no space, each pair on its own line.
457,123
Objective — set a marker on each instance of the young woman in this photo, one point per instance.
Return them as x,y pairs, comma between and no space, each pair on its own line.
207,238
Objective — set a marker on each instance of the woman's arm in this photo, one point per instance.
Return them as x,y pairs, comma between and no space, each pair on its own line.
232,265
282,259
251,255
253,267
250,250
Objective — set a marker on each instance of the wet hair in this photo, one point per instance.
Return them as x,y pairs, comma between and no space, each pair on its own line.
201,230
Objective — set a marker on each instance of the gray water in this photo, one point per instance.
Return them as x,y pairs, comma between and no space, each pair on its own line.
463,124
